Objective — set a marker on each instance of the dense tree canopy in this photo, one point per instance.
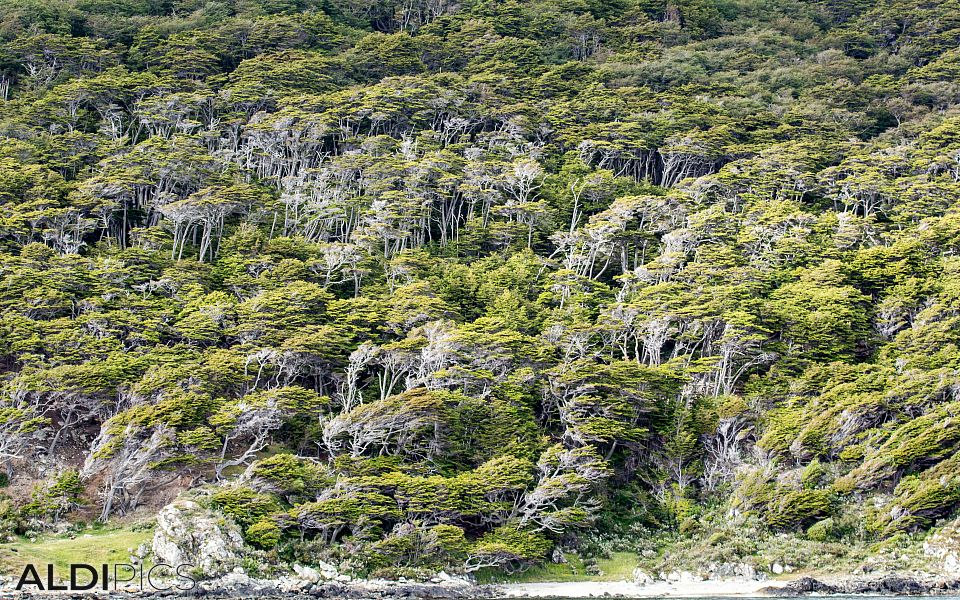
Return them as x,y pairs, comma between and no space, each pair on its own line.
432,283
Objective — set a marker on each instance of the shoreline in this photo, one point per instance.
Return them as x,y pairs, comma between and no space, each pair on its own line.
458,589
626,589
889,584
880,585
236,586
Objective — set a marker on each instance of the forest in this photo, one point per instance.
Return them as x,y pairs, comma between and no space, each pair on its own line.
419,284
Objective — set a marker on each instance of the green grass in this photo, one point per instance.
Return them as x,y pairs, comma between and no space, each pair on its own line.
94,547
618,567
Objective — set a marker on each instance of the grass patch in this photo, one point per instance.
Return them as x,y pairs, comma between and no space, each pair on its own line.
95,547
618,567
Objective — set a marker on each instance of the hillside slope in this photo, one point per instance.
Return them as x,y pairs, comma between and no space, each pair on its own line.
430,284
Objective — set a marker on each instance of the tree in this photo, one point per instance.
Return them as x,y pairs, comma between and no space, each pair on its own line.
56,497
562,497
254,418
821,318
421,284
607,404
521,184
403,424
125,455
206,211
507,549
19,424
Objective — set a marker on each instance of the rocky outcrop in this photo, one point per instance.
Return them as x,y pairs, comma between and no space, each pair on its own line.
238,585
885,585
640,577
737,571
711,571
681,577
187,533
944,547
804,585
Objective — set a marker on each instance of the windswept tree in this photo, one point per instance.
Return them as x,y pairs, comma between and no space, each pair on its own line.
202,215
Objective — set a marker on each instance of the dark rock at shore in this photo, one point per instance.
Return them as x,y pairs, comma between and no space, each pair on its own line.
804,585
405,591
346,592
889,585
323,590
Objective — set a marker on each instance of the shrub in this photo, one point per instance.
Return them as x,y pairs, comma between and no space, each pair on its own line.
925,439
813,475
822,531
798,508
263,534
10,519
508,549
244,505
289,475
446,542
689,527
55,498
852,454
396,549
921,499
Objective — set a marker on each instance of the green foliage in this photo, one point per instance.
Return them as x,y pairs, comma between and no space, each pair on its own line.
926,439
11,519
813,475
508,548
246,506
421,285
447,543
263,534
290,476
796,509
822,531
52,500
920,500
823,318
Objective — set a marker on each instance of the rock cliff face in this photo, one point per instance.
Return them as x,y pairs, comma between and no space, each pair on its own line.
944,546
187,533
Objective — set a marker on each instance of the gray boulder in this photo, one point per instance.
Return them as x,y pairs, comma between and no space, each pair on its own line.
944,547
641,578
187,533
